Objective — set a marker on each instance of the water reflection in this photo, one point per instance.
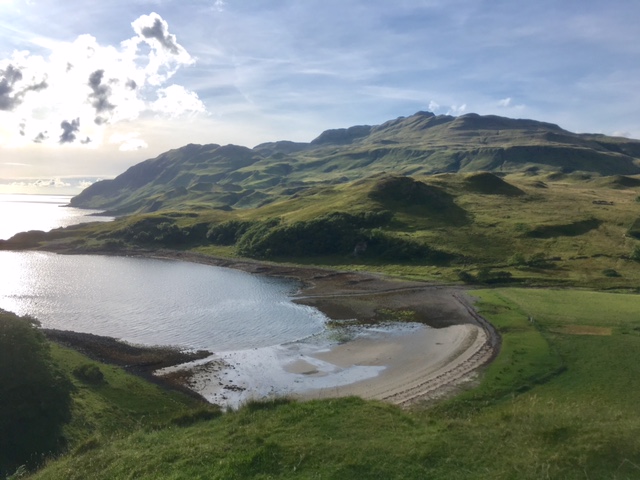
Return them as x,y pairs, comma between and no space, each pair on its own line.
154,301
21,213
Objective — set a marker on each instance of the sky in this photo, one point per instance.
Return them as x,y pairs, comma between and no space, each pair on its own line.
88,89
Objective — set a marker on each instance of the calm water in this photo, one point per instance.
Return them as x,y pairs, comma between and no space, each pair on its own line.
154,301
141,300
21,213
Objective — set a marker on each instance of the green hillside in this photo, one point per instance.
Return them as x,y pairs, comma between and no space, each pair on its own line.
560,401
198,177
542,229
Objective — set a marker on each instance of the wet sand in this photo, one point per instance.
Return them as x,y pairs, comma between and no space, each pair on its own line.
402,364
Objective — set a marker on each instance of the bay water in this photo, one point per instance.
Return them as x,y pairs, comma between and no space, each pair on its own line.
21,213
142,300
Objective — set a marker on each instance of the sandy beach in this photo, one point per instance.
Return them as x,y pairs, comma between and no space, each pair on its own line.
438,351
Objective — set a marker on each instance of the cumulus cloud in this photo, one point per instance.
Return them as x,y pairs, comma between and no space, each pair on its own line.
41,137
55,182
85,183
623,133
508,103
176,100
433,106
83,87
166,54
50,182
69,130
100,94
160,31
457,109
128,142
13,87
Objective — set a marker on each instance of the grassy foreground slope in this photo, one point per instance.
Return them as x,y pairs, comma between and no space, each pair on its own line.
560,401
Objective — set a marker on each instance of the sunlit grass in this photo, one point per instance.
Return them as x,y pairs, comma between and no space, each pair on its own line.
552,405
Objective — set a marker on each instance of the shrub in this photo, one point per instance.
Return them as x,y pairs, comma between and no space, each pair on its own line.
610,272
333,234
466,277
200,415
229,232
35,397
89,373
518,259
161,231
326,235
486,276
539,260
169,234
388,247
565,230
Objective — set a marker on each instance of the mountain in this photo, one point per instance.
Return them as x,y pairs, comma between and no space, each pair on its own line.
231,177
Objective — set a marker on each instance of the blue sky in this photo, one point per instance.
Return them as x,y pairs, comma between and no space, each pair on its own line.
87,89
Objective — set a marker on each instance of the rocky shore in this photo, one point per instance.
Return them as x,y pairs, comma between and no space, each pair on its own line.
137,359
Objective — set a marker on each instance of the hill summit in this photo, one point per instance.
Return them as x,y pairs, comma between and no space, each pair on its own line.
231,176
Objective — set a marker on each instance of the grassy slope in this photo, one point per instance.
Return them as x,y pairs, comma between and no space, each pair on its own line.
497,229
557,219
553,405
122,403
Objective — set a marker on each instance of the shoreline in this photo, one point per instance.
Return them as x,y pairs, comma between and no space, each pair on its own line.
410,375
139,360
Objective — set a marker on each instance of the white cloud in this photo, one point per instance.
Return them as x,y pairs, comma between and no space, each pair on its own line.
622,134
505,102
166,54
176,100
128,141
433,106
81,87
43,183
85,183
457,110
59,185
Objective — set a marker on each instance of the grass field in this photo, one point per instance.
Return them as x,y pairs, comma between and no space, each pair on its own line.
552,405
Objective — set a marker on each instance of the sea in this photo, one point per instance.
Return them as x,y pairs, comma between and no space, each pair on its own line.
142,300
21,213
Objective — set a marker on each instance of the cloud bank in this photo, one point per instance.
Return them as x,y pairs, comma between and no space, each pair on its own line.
82,87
